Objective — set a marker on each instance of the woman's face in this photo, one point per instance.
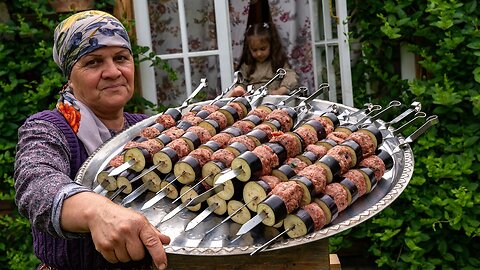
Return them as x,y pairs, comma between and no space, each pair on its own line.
104,79
259,48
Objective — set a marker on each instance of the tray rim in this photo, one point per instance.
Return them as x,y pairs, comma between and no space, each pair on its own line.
390,197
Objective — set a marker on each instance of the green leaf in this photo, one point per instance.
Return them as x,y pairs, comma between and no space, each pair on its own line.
476,74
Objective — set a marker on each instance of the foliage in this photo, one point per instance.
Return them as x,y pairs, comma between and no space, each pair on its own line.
434,224
29,82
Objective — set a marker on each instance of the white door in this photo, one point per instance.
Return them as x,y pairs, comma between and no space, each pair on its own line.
195,38
185,34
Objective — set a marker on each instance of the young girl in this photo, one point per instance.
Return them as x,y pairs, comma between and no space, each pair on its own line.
261,57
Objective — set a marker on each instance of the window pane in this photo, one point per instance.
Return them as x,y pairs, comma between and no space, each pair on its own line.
201,28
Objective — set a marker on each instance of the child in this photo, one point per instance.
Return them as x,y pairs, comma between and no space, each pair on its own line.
262,55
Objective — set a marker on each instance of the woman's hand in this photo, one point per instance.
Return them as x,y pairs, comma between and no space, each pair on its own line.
238,91
119,234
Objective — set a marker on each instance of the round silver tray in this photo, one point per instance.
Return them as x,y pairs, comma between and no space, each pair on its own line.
218,242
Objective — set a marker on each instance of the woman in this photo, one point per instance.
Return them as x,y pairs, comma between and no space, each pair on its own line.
73,227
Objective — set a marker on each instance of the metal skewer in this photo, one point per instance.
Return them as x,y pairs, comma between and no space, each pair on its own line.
429,122
191,188
230,216
262,91
391,105
202,216
162,193
268,243
118,170
120,189
237,78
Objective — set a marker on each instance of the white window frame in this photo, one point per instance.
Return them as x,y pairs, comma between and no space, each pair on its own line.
224,51
144,38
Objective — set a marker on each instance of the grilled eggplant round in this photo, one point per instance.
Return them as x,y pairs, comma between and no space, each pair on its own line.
141,157
274,208
165,158
211,169
298,223
242,214
249,163
255,192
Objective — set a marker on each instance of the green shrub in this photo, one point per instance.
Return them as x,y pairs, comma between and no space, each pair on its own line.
434,224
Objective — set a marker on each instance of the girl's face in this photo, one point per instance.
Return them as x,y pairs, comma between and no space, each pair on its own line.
104,79
259,48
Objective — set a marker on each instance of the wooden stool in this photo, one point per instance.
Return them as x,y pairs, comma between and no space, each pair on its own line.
310,256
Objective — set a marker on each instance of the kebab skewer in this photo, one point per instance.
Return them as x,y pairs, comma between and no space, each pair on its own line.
188,168
325,208
164,159
219,185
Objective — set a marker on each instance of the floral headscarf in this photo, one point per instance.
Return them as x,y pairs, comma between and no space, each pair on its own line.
83,33
75,37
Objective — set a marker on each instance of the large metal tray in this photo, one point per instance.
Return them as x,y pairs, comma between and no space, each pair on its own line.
218,242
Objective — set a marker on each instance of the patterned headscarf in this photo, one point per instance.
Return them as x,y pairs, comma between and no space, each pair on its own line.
83,33
75,37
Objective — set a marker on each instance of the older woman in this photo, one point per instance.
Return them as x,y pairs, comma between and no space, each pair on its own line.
73,227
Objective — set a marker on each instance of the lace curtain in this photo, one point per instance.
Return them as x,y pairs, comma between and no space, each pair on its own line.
291,17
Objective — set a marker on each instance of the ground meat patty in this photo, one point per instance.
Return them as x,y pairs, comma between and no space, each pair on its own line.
222,139
339,195
174,133
318,150
116,161
317,215
358,179
268,158
245,140
244,126
131,144
291,194
152,146
210,108
365,142
327,124
337,136
150,132
307,134
202,155
188,115
238,108
180,146
317,175
201,132
194,120
220,118
224,156
283,117
376,164
271,180
259,112
296,164
291,144
166,120
343,155
267,129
